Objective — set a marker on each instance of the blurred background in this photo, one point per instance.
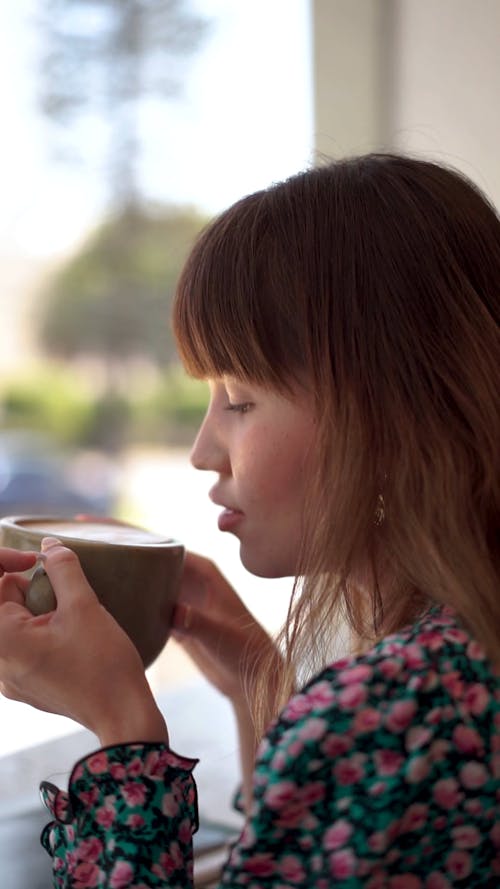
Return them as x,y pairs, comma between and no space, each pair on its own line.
126,125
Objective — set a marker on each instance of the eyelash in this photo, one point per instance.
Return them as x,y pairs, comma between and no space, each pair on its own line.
242,408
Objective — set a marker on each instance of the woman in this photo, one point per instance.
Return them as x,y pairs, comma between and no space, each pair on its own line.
347,323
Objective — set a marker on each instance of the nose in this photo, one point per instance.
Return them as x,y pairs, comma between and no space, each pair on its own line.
208,451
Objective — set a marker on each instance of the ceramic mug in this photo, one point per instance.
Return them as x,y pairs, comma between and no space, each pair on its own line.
135,573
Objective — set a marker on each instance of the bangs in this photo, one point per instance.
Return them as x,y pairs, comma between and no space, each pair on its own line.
231,311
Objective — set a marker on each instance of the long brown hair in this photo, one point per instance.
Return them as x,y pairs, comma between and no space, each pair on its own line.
377,279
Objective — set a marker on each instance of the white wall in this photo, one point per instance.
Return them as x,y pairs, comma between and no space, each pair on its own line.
422,76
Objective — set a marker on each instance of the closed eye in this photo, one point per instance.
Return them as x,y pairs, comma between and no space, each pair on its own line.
241,408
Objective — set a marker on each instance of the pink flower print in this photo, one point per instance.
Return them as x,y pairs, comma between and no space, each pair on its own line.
135,821
154,765
453,683
378,841
377,881
454,634
260,865
437,881
355,675
352,696
343,663
432,640
474,651
117,770
390,668
297,707
337,835
414,657
417,769
459,864
165,866
312,730
400,716
134,793
447,793
312,793
416,737
98,763
467,740
281,794
495,835
169,805
473,806
473,775
105,816
350,769
89,797
292,815
135,767
321,695
336,745
388,762
434,716
279,760
89,850
439,750
405,881
414,818
176,854
121,876
430,681
296,747
476,698
291,869
342,864
86,875
366,720
466,836
185,831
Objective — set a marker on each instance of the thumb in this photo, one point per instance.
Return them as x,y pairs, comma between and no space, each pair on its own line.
65,573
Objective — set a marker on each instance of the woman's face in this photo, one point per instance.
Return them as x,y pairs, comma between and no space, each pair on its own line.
258,442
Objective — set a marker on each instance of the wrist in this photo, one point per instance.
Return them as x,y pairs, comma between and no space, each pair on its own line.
139,720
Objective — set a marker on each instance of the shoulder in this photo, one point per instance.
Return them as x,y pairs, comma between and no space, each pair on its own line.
397,696
389,760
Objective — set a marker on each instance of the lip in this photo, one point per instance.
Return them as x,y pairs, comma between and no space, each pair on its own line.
229,519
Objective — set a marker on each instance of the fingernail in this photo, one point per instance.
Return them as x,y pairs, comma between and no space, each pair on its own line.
41,557
183,616
49,542
188,617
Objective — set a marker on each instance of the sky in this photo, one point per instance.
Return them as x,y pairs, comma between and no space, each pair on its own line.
244,121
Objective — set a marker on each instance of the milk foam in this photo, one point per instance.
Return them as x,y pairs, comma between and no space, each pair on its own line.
99,531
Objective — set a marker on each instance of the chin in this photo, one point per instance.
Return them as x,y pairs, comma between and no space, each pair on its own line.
265,565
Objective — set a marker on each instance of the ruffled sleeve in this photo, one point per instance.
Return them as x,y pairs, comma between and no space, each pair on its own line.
127,819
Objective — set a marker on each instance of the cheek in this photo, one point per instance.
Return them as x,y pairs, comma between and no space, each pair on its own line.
279,476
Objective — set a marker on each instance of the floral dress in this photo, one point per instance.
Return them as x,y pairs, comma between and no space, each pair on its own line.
384,771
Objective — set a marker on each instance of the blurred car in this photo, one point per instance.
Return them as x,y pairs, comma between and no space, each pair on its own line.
36,476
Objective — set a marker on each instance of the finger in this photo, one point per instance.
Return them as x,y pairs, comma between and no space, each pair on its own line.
190,623
65,573
16,560
12,590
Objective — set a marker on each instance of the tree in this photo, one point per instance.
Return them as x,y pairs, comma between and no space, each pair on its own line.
102,61
112,300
